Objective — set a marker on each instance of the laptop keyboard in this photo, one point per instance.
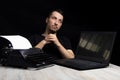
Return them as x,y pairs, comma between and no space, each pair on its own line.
79,64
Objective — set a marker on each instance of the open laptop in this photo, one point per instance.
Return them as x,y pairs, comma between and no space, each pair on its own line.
93,51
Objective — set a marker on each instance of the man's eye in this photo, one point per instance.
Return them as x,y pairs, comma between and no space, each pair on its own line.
60,21
54,18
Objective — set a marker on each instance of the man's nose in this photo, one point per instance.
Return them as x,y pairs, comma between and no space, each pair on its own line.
56,22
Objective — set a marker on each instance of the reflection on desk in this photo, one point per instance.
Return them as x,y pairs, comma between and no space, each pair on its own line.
60,73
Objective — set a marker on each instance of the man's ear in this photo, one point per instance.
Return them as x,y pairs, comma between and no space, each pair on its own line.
46,20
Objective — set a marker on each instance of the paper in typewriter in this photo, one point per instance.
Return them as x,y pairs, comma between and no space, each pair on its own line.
18,42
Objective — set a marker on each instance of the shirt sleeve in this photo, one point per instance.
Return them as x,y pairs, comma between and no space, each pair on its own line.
35,39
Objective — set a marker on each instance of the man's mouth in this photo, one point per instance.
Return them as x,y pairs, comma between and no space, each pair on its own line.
55,27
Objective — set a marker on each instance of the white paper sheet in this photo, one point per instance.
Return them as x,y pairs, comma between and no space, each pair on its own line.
18,42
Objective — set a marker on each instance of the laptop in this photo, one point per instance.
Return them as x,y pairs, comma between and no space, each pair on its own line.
93,51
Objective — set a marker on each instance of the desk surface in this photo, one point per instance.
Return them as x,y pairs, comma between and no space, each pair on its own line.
60,73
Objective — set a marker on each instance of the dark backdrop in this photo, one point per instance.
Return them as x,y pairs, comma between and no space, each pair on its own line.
27,18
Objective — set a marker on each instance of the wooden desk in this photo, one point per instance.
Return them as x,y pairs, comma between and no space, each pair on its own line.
60,73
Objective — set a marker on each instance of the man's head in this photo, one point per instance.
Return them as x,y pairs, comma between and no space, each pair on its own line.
54,21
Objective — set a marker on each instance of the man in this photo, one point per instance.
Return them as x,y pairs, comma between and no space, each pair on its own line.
50,42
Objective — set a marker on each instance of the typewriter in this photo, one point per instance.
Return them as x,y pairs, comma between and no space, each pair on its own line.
22,57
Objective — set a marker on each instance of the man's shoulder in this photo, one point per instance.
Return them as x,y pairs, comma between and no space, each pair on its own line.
36,36
63,37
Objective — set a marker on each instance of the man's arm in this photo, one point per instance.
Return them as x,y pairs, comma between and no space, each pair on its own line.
41,44
67,53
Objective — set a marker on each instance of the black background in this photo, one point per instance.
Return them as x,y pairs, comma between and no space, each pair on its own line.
28,17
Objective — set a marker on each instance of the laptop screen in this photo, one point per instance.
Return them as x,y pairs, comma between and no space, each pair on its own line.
95,46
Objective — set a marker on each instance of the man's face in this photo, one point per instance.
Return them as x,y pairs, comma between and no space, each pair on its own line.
54,22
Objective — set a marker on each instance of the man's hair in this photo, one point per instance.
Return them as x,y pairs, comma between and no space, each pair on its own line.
57,10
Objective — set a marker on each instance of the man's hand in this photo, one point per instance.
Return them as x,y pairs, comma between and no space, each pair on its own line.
52,38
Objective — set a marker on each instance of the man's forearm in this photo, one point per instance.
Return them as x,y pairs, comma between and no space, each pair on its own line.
41,44
66,53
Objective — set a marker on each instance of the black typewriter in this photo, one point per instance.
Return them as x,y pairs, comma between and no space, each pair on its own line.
22,58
